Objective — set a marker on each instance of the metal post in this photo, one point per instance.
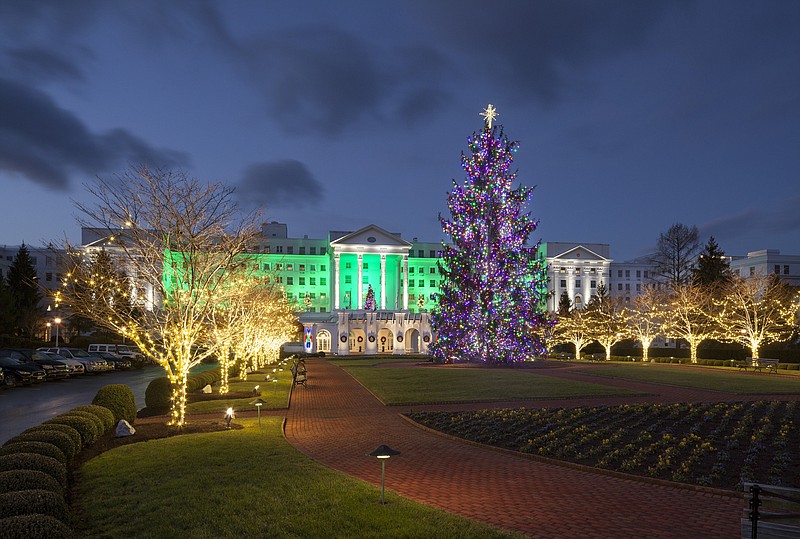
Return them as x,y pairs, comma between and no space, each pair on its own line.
383,476
754,505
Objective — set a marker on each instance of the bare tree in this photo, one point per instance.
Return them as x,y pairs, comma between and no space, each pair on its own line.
572,328
606,320
647,317
676,251
756,310
179,240
690,317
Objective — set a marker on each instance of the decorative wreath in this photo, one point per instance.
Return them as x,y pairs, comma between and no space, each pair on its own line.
383,339
360,339
399,338
343,338
371,338
426,338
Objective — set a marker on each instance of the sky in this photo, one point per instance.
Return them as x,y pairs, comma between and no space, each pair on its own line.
630,116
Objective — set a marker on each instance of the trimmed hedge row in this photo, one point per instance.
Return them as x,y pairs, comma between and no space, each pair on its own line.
33,465
158,394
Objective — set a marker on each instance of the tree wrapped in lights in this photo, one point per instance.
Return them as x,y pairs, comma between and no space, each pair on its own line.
572,328
689,316
756,310
176,237
369,300
607,320
647,317
490,308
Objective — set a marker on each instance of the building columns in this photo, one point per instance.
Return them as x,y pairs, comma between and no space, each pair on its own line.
383,281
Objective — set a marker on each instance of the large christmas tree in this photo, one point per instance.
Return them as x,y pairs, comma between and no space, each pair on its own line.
491,305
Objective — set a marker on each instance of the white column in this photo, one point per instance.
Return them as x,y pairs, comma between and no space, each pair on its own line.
383,281
405,282
336,281
360,271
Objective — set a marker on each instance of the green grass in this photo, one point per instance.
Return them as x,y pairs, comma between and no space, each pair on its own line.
243,483
426,385
375,360
275,393
705,378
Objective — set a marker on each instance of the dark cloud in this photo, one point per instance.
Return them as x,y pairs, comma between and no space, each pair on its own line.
275,183
41,64
45,143
756,222
530,44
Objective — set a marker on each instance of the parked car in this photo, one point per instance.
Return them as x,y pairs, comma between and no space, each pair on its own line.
54,369
121,350
18,373
75,366
92,364
119,363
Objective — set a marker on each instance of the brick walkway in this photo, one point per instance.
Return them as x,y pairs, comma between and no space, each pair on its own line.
337,422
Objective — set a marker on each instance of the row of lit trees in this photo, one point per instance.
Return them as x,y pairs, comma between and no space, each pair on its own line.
187,243
751,311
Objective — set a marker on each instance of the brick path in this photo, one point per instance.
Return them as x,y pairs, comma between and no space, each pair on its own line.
337,422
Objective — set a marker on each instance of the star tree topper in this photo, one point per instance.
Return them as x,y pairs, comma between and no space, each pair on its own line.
489,114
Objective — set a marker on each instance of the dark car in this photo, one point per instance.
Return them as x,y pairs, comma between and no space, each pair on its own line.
119,363
54,369
19,373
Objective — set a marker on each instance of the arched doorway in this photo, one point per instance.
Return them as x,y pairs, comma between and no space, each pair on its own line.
411,341
385,341
323,341
358,341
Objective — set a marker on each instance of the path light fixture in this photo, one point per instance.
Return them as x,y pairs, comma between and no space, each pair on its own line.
274,385
259,402
228,417
255,391
383,453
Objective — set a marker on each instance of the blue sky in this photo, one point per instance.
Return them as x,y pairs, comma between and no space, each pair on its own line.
631,116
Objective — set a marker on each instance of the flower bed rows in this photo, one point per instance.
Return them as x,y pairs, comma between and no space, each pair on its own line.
713,444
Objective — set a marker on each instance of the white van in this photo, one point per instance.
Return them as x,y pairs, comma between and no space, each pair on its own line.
120,350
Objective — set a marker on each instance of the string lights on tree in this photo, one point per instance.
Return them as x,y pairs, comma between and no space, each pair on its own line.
491,305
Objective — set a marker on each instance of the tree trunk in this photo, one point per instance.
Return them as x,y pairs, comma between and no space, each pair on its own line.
178,411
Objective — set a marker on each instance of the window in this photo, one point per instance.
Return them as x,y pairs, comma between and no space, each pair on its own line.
266,267
433,283
289,295
302,267
562,270
646,274
313,281
313,250
278,267
627,286
314,267
619,273
347,265
577,283
411,297
777,269
638,287
410,270
592,284
279,280
365,265
627,274
410,283
312,295
563,283
321,268
302,250
289,267
290,250
364,279
302,281
322,280
323,295
433,269
619,286
48,276
577,271
786,269
279,248
290,280
266,249
638,274
348,279
433,254
421,253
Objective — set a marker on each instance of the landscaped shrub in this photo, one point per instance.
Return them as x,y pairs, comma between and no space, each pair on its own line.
74,435
14,480
119,399
793,367
86,427
62,441
34,527
99,426
157,395
40,448
105,415
32,502
32,461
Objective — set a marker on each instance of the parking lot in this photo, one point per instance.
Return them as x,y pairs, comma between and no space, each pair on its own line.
26,406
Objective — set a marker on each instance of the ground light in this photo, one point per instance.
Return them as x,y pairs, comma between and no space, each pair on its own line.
228,417
383,452
259,402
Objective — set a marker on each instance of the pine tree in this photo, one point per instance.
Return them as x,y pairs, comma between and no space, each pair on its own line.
491,305
712,268
369,301
24,294
564,305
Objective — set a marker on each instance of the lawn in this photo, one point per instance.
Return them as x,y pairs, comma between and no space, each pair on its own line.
428,385
730,381
276,394
242,483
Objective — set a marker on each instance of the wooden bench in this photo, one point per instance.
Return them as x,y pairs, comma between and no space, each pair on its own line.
774,512
299,376
759,364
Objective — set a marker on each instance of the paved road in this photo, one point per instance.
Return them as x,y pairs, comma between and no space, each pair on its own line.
336,421
24,407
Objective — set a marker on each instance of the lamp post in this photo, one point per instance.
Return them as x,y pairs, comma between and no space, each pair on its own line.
58,323
48,334
383,452
259,402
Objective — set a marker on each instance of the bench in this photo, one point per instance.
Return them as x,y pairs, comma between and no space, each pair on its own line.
299,376
759,364
774,512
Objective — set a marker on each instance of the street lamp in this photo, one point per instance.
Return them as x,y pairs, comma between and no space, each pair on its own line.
259,402
383,452
58,323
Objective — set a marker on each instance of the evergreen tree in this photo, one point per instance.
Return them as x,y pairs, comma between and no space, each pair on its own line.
369,301
564,305
24,294
5,307
491,305
712,268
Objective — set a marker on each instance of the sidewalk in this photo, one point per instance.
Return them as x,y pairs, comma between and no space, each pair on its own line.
335,421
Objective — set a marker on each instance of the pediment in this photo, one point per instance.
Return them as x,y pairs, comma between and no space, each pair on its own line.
580,252
371,236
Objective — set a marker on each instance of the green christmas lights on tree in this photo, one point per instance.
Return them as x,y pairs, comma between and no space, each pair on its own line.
491,305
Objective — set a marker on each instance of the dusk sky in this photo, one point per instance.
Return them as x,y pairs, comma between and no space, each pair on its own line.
630,115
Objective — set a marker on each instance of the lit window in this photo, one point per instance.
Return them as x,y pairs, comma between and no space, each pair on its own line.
279,267
302,267
289,267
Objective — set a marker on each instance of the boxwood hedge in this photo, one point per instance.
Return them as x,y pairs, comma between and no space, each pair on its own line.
87,428
34,527
32,502
14,480
40,448
104,414
59,439
32,461
119,399
74,435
